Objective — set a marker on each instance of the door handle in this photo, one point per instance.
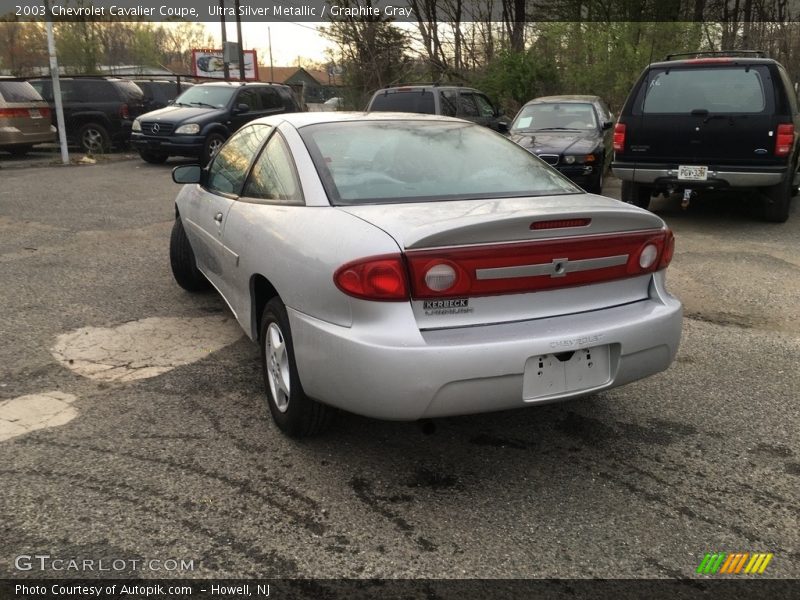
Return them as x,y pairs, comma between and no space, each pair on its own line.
218,217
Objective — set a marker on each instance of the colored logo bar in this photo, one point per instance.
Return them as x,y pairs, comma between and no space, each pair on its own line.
734,563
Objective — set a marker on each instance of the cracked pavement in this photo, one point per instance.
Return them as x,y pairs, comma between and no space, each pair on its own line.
155,440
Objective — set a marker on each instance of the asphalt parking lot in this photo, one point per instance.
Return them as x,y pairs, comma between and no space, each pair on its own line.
150,438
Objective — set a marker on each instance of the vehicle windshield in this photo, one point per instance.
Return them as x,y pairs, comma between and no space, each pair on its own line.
725,90
367,162
555,116
215,96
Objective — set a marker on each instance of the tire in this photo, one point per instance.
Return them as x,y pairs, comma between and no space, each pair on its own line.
293,412
182,261
213,143
636,194
93,138
20,150
777,200
154,158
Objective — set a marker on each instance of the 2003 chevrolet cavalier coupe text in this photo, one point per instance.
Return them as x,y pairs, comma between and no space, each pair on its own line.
407,267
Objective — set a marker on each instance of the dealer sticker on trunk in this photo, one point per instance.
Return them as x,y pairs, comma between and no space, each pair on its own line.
452,306
691,173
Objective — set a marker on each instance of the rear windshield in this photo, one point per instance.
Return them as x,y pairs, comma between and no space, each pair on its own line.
413,101
367,162
130,90
717,90
18,91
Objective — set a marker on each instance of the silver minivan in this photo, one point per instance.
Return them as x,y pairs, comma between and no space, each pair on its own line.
24,117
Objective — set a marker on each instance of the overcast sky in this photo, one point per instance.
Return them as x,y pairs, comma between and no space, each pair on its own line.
289,41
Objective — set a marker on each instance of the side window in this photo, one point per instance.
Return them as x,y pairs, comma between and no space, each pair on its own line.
249,97
274,176
449,100
229,168
467,105
94,91
270,100
484,105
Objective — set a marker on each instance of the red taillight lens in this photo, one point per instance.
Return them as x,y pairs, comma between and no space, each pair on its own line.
14,113
669,250
375,278
560,223
45,112
124,112
784,139
539,265
619,137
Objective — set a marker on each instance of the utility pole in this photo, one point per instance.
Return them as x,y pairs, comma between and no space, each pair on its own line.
271,68
227,72
51,50
239,37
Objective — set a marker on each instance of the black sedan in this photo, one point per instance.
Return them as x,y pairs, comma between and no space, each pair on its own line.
571,133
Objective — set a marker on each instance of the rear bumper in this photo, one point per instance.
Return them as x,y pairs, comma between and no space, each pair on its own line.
179,145
405,375
718,176
12,136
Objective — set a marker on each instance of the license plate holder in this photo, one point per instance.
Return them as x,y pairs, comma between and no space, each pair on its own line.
566,372
692,173
34,113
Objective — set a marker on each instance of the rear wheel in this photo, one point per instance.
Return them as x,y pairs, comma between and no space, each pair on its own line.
182,261
777,200
294,413
155,158
93,138
636,194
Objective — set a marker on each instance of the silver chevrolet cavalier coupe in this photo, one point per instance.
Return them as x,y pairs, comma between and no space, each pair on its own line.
409,266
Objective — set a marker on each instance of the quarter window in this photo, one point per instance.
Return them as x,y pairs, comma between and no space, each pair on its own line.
229,168
274,177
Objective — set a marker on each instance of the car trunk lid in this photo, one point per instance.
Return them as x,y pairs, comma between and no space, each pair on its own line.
523,257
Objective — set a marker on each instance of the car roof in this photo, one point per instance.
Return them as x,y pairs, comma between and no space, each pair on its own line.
304,119
716,61
566,98
423,86
239,83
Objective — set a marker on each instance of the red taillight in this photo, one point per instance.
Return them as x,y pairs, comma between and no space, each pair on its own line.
374,278
784,140
669,250
560,223
619,137
14,113
704,61
45,112
124,112
539,265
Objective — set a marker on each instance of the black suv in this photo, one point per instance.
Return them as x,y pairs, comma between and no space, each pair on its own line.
98,111
434,99
710,120
202,118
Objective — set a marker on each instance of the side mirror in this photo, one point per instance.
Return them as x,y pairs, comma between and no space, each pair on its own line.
187,174
170,102
608,125
502,126
242,108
